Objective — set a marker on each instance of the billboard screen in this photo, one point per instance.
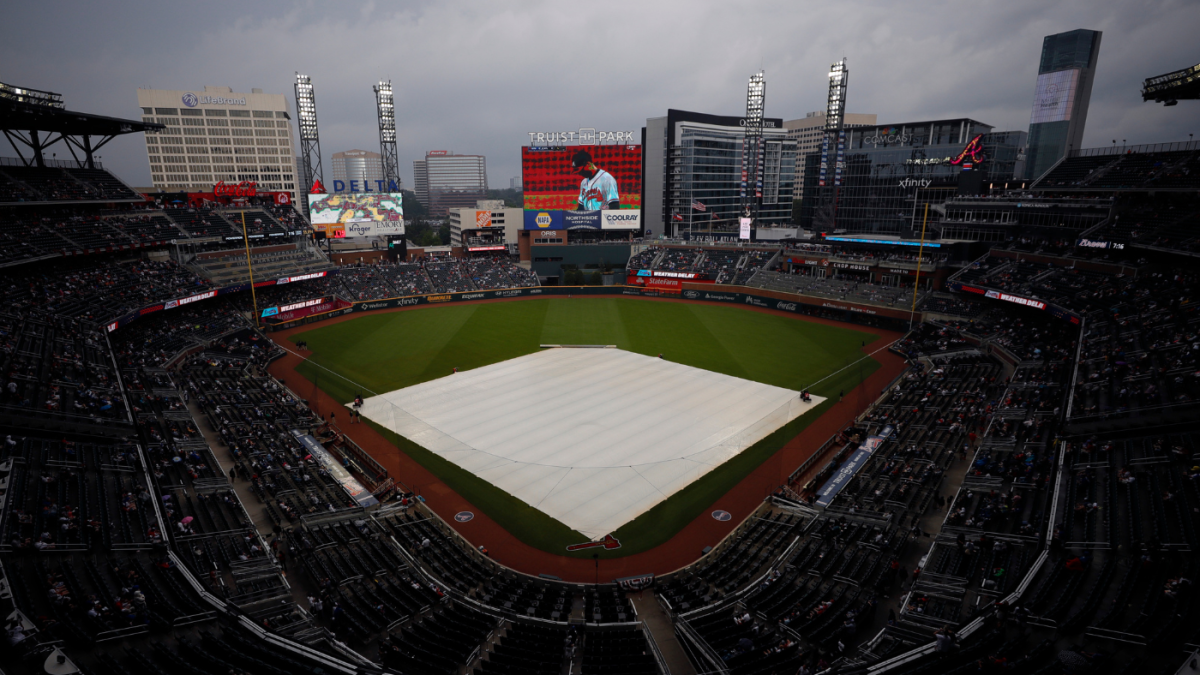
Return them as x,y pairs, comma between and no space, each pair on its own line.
361,215
1055,96
582,177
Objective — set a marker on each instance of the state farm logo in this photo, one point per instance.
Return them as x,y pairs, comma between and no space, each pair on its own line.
691,295
543,219
786,306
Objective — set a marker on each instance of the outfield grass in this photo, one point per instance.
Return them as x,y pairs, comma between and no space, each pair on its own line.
378,353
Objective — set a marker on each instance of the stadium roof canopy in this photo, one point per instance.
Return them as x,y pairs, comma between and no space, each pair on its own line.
35,120
1171,87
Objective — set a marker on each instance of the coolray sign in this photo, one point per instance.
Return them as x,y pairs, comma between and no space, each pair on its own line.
623,219
915,182
192,100
1016,299
581,220
585,136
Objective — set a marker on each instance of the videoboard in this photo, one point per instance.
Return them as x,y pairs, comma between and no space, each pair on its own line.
582,187
358,215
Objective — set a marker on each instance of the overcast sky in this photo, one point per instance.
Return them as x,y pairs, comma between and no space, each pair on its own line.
475,77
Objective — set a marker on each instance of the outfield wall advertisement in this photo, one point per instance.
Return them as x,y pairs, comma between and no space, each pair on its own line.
793,304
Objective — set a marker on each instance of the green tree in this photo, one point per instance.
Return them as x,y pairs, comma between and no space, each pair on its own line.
597,279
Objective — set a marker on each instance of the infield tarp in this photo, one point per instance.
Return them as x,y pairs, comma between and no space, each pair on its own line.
591,437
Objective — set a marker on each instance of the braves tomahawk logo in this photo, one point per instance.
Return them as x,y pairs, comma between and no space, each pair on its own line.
609,542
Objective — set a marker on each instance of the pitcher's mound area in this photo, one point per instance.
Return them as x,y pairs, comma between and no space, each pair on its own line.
591,437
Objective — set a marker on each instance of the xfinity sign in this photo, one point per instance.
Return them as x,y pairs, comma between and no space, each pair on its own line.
585,136
915,182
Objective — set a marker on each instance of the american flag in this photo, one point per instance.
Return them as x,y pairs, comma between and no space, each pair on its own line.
699,206
676,216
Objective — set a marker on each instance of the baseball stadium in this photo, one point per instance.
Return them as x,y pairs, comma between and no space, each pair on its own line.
721,395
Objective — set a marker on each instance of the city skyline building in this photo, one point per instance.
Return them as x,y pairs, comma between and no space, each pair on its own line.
361,166
691,158
216,135
810,129
1060,99
444,180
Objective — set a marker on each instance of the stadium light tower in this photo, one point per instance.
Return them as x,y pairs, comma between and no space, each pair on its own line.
310,142
752,146
387,133
835,142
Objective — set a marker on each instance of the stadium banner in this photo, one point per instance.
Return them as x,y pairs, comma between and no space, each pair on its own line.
580,220
357,491
361,215
593,177
543,220
124,320
834,485
1054,310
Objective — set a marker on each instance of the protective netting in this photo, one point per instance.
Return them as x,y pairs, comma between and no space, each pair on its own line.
591,437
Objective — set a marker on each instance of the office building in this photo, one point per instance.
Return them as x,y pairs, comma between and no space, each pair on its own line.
362,167
1061,97
809,130
691,158
444,180
487,227
892,171
218,135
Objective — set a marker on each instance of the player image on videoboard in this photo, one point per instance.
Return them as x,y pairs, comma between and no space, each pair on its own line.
582,178
598,190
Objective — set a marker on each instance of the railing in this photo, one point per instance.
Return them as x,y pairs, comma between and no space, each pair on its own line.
51,163
1136,149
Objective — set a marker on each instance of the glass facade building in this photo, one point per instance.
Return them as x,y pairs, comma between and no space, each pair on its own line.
444,181
893,171
1060,99
361,166
692,157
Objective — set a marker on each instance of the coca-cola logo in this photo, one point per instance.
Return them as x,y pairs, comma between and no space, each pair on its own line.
243,189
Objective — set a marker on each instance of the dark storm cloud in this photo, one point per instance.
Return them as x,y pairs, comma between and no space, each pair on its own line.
474,77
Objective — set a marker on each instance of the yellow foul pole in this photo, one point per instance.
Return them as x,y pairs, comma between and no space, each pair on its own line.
253,296
920,252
